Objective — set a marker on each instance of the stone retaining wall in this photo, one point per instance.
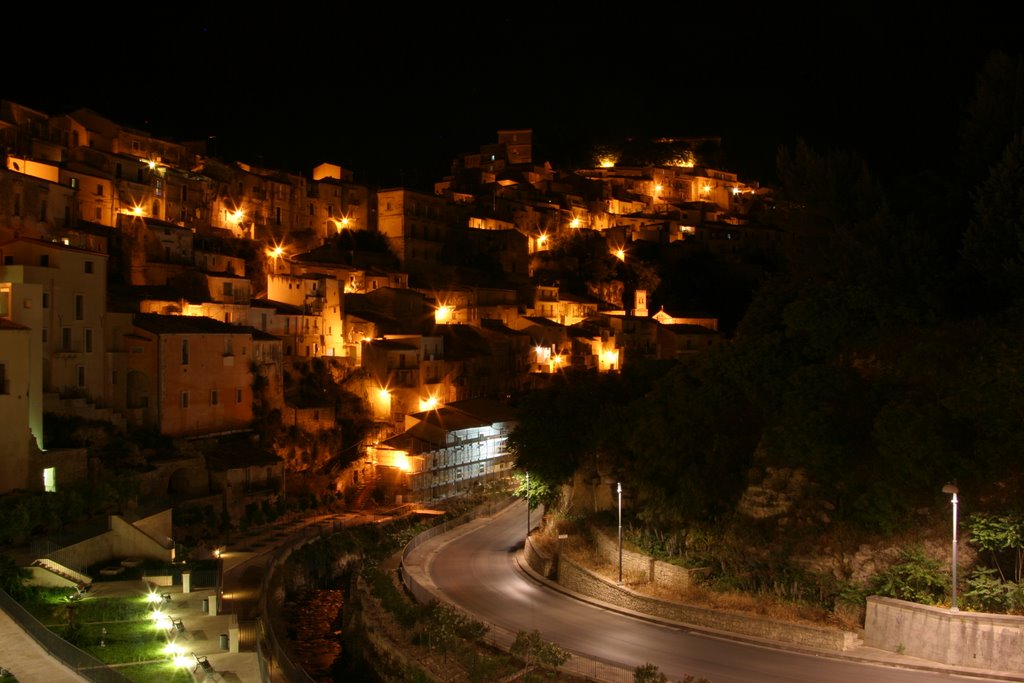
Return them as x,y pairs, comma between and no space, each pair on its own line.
580,580
968,639
637,565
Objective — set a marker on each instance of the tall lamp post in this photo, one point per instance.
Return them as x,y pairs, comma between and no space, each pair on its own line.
952,489
527,509
618,487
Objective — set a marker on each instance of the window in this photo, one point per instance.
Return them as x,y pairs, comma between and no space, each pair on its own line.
88,340
5,387
99,213
113,376
80,374
42,211
44,260
17,203
213,397
238,395
65,339
184,351
99,188
184,399
46,299
79,307
50,479
228,289
229,347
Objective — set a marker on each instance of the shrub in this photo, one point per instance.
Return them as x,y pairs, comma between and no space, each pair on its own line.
916,577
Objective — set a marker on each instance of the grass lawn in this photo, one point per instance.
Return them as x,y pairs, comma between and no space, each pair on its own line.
117,631
157,672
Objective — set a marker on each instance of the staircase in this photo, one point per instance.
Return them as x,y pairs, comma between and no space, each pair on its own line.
363,493
62,571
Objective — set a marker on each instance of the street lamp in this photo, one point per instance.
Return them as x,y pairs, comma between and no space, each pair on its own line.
527,509
618,486
952,489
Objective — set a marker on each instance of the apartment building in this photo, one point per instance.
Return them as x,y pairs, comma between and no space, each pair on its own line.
72,301
185,375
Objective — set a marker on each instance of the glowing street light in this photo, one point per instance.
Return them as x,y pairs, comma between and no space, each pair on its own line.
575,222
276,253
443,314
953,490
620,254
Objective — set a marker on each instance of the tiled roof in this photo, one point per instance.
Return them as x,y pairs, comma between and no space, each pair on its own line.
184,324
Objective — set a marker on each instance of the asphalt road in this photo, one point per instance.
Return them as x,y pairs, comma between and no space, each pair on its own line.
477,571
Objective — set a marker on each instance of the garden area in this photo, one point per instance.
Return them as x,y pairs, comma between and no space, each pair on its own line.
130,634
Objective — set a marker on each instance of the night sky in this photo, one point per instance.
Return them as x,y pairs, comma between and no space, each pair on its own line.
396,101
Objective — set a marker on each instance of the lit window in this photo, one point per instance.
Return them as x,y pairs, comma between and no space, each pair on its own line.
50,479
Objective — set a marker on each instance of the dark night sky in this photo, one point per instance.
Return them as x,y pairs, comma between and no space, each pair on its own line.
396,104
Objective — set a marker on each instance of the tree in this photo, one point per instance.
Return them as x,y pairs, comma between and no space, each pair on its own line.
993,117
994,242
535,651
560,427
534,489
649,673
12,576
1002,537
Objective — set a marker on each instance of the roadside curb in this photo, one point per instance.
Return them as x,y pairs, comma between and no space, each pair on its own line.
873,656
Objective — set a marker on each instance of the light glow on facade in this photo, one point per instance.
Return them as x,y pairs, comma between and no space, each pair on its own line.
443,314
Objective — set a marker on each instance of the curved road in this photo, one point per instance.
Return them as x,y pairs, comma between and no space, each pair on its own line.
477,571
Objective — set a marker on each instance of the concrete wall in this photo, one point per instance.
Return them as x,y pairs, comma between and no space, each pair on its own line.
158,526
122,540
541,563
976,640
581,580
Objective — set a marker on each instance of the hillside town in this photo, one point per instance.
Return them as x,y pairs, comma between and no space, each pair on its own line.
311,331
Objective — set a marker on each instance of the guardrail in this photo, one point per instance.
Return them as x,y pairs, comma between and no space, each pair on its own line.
274,663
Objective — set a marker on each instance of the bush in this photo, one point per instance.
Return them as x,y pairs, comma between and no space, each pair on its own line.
916,577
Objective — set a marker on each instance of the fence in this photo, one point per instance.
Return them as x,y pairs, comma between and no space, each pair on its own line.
275,664
85,664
